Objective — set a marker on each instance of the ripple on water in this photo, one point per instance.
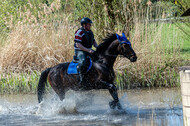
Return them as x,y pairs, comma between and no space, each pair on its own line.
140,107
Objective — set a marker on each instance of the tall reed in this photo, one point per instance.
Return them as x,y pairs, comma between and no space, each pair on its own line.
13,83
35,43
159,56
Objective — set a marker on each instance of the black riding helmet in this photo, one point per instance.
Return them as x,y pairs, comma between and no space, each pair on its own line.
85,21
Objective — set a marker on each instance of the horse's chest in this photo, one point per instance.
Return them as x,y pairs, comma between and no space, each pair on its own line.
109,76
112,76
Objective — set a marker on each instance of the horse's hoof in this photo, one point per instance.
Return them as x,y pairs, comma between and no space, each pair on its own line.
114,104
119,106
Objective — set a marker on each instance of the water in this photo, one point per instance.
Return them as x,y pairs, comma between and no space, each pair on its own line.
158,107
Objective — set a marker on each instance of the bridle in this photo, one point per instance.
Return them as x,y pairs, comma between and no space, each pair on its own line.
122,40
121,43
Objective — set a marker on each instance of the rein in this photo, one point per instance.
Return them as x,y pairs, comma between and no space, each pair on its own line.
122,40
110,55
122,56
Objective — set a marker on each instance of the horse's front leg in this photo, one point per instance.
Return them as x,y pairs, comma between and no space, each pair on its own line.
113,91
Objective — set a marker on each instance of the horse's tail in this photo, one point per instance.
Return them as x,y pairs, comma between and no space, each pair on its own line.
41,84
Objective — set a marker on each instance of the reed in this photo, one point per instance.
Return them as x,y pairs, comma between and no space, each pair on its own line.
44,38
34,47
159,55
14,83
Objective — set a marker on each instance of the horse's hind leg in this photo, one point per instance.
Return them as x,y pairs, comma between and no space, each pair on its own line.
58,90
56,82
61,94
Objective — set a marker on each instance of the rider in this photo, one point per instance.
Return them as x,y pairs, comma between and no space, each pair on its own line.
84,39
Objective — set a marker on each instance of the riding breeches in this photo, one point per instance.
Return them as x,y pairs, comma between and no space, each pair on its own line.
83,60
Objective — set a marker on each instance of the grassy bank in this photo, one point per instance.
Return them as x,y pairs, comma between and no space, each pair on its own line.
159,56
13,83
33,44
161,50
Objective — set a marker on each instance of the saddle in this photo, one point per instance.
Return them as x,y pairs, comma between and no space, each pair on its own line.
72,68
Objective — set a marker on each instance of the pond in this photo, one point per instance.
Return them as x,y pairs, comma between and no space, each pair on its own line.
141,107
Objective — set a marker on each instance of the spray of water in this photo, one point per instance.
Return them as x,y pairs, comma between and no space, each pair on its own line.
72,104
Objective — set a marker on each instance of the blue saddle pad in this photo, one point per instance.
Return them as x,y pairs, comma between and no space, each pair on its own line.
72,68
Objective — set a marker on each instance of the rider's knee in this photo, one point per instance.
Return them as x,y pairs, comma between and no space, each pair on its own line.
81,67
113,87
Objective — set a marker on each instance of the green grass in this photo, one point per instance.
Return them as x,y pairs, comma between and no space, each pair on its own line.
149,71
161,47
170,36
14,83
174,38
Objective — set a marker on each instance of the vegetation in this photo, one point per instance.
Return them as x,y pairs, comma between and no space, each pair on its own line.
39,34
22,82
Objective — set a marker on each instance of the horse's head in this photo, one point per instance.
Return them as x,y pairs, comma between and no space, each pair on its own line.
125,48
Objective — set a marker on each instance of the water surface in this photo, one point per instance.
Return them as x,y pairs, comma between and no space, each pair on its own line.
159,107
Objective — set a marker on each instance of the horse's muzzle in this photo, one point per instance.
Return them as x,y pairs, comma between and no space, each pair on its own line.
133,58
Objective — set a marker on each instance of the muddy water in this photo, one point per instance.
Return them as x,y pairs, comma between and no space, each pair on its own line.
158,107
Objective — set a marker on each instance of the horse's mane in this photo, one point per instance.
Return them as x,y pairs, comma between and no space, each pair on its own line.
106,42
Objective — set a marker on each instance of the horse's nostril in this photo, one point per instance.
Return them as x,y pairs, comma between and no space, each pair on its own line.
133,58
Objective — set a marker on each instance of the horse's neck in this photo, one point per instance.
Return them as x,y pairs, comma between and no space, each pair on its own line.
110,55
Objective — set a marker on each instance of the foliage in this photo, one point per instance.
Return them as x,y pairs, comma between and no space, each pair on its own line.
183,4
160,52
39,34
13,83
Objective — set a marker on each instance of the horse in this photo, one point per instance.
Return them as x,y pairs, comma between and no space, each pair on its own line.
100,76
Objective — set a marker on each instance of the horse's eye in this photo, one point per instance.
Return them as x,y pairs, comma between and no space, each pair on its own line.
125,45
129,45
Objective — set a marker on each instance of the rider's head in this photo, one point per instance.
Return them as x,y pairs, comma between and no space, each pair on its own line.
86,23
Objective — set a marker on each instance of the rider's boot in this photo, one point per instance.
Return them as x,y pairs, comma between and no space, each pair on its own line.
83,81
82,78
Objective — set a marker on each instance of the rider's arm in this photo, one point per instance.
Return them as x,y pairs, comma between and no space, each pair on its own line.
95,44
80,46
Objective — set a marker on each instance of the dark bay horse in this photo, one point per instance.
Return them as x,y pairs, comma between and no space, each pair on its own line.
100,76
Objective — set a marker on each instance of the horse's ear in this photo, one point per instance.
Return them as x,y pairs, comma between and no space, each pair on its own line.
124,37
123,34
119,37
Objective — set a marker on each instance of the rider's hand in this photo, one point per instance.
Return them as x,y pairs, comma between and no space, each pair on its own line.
91,51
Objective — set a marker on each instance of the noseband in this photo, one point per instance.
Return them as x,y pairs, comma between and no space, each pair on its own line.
123,40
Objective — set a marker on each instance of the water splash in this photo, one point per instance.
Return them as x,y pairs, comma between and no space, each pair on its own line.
88,108
73,102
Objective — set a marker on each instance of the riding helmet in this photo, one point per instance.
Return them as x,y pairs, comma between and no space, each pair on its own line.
85,21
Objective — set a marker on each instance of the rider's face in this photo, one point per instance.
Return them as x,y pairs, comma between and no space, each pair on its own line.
87,26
